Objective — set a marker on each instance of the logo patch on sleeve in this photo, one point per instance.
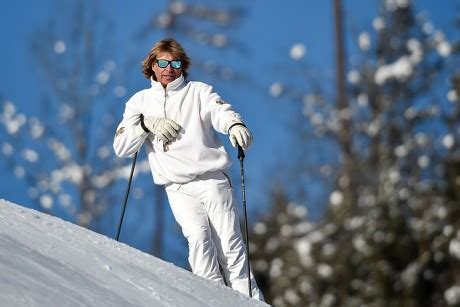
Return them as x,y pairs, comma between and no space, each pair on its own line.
221,101
120,131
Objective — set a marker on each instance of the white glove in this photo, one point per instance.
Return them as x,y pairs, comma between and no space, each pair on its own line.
164,128
241,135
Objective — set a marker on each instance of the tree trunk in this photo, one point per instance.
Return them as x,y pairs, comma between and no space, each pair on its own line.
344,134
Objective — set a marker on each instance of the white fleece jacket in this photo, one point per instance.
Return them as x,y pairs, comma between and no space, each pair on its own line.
198,110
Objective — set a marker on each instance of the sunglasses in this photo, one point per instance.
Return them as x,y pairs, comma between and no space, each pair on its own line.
174,63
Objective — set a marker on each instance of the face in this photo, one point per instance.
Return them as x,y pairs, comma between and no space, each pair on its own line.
167,74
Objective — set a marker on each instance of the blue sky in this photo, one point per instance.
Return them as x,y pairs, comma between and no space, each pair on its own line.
268,31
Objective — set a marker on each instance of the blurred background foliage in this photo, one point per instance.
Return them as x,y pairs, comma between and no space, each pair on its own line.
389,134
377,148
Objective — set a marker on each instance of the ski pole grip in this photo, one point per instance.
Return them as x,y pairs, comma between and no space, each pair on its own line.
240,153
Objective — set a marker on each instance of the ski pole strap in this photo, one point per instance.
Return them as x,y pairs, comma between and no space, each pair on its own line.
143,124
235,124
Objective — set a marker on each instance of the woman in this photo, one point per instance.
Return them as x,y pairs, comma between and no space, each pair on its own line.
177,120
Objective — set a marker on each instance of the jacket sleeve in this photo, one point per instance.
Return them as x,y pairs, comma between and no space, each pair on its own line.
217,111
129,136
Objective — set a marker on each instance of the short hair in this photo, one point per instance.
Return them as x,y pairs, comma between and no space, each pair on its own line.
169,45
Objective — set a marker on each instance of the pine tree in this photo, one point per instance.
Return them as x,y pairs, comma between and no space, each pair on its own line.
391,237
274,257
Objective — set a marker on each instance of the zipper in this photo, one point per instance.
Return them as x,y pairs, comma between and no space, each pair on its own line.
165,145
164,104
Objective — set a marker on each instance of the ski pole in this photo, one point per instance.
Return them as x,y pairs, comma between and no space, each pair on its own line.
129,187
243,189
126,195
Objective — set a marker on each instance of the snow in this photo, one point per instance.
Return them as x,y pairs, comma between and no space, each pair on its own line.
336,198
45,261
363,100
454,248
276,89
325,270
298,51
378,23
452,295
401,70
60,47
364,41
353,76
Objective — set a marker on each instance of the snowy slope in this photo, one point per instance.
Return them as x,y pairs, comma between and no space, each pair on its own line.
45,261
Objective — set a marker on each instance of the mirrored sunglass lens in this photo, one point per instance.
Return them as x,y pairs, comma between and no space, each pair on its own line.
176,64
162,63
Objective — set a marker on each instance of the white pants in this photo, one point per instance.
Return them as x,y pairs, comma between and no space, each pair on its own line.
205,210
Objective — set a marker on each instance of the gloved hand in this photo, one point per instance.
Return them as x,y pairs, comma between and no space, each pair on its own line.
241,135
164,128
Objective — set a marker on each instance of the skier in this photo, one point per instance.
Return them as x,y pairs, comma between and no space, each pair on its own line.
177,121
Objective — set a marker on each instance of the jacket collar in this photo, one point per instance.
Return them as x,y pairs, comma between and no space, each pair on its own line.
170,87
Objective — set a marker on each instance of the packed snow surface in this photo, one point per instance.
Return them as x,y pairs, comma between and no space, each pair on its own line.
45,261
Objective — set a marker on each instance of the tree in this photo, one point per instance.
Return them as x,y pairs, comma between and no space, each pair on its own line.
275,260
63,152
388,236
